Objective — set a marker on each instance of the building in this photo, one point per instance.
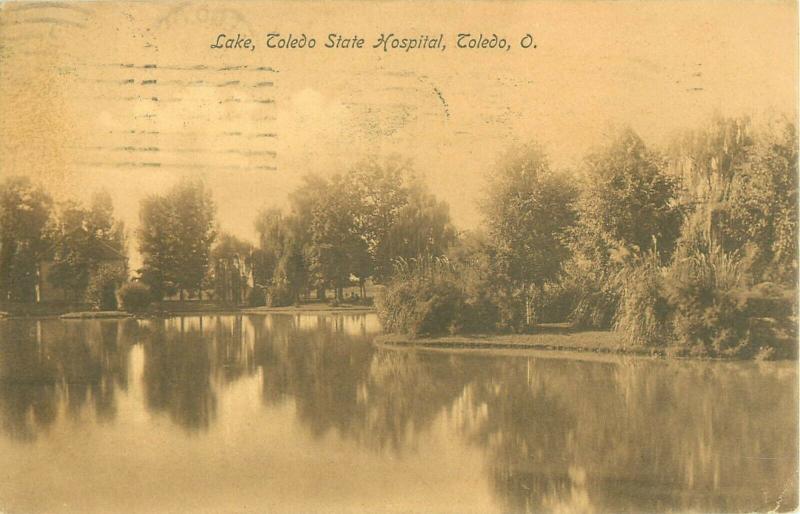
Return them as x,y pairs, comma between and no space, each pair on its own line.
105,258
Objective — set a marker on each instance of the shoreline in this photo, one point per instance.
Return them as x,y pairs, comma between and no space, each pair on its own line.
566,344
594,342
311,309
79,315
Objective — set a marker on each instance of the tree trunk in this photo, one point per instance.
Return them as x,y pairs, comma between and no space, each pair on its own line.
528,305
528,313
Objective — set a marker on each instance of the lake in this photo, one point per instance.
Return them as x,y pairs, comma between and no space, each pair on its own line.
299,413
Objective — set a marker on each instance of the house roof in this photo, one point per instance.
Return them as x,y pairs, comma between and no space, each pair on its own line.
104,251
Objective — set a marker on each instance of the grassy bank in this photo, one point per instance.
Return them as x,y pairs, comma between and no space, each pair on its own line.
597,341
168,309
313,308
96,315
553,338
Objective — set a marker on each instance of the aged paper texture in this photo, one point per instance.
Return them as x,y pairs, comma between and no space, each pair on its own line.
398,256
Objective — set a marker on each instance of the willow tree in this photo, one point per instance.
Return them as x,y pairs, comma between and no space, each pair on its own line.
740,180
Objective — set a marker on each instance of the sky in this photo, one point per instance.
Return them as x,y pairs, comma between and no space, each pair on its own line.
130,97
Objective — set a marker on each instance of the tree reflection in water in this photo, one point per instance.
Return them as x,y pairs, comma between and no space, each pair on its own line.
606,435
177,373
637,435
319,362
614,435
46,365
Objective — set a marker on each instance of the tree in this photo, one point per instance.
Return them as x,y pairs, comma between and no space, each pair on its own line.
350,226
232,264
628,201
760,207
706,159
380,192
628,204
528,211
337,248
754,205
280,261
741,184
291,271
227,246
272,228
157,243
175,238
25,211
421,228
194,225
304,201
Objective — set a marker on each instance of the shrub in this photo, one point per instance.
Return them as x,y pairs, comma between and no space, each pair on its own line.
593,292
103,282
135,297
434,298
477,313
279,295
256,297
418,307
511,310
644,314
707,293
553,303
436,310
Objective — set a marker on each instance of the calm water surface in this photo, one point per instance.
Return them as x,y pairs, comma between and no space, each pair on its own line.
301,413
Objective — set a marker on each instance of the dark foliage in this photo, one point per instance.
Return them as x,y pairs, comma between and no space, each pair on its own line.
135,297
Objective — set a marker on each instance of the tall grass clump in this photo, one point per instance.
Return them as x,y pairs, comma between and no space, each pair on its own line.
430,297
644,313
708,294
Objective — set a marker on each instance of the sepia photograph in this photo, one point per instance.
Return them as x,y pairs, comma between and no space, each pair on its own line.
398,256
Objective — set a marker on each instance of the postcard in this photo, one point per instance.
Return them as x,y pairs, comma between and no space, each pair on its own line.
398,256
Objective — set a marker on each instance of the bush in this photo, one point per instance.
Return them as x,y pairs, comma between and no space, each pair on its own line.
256,297
436,310
644,312
279,295
703,304
511,311
135,297
432,300
707,291
592,289
417,308
101,293
553,303
478,313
